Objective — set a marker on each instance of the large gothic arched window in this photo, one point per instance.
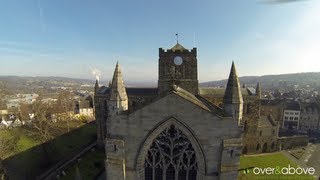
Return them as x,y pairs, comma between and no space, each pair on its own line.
171,157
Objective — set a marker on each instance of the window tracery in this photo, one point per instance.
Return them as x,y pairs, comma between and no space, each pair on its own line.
171,157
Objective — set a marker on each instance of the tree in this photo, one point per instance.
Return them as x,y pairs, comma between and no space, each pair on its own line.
43,127
64,107
14,112
7,146
42,120
4,90
25,110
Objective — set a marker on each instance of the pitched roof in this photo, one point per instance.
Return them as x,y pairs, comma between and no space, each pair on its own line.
132,91
273,102
266,121
233,91
142,91
178,47
186,95
218,92
310,107
190,97
292,105
103,90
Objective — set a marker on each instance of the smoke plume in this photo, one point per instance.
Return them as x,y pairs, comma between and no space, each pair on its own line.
96,72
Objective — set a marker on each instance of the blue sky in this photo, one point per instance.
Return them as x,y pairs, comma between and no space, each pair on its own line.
73,37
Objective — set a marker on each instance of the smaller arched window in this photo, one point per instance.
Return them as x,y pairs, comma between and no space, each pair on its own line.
264,148
272,145
231,153
245,150
258,147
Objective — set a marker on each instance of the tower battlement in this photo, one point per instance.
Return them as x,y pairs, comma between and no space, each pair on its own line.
178,66
192,51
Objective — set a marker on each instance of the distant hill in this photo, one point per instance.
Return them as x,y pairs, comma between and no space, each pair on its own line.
28,84
272,81
51,79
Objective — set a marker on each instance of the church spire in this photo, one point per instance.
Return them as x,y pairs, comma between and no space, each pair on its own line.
118,90
233,92
96,87
232,100
118,101
258,91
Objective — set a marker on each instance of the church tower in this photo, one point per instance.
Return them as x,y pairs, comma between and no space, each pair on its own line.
178,66
232,100
118,100
251,123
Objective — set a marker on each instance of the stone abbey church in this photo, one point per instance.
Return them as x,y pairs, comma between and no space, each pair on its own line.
177,131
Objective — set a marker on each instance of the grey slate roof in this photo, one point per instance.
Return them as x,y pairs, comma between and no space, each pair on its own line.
132,91
219,91
178,47
141,91
292,105
310,107
265,101
251,90
266,121
190,97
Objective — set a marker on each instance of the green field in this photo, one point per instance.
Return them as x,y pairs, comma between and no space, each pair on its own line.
16,140
273,160
91,164
19,139
29,158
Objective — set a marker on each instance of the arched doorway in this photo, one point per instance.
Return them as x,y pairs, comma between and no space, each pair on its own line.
273,146
172,155
245,150
264,148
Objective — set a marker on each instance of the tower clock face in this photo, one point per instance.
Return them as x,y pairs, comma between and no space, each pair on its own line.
177,60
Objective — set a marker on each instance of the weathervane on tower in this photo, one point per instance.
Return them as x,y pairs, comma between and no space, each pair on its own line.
177,36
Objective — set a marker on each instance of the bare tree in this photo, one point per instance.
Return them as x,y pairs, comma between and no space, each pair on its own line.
64,107
43,122
5,147
14,112
43,127
25,110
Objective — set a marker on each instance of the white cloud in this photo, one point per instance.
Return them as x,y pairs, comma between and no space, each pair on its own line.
41,16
